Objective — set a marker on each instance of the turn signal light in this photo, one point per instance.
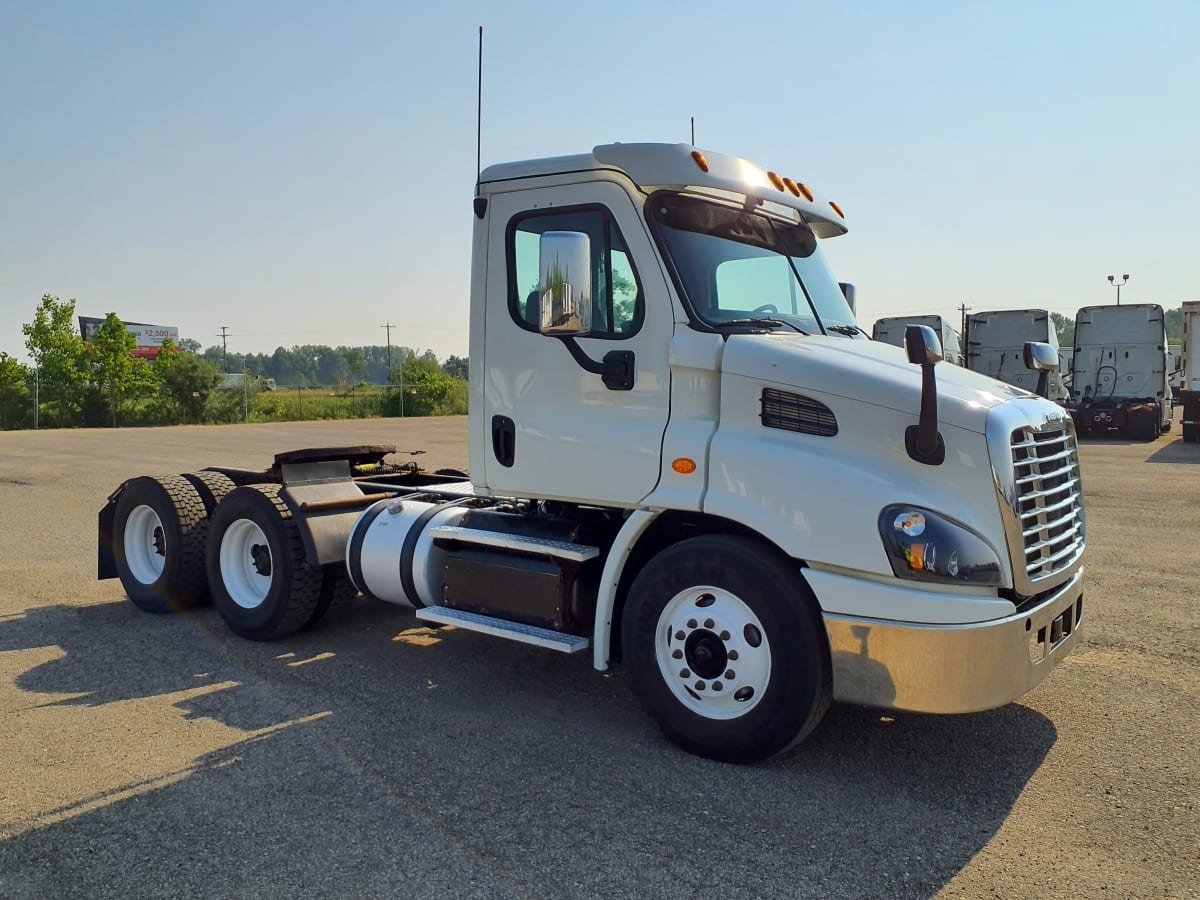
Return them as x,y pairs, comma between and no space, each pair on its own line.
684,466
700,160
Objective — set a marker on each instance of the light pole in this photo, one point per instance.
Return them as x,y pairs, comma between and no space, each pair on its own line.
1117,285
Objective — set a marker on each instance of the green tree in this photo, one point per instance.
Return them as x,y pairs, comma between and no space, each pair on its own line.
189,382
15,410
1065,328
427,390
457,366
114,375
57,351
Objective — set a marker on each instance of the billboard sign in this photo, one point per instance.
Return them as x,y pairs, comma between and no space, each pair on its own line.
149,337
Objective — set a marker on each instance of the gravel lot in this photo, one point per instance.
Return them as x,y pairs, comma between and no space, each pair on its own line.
159,756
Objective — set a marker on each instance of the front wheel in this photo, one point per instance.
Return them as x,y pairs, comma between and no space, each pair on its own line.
726,648
260,582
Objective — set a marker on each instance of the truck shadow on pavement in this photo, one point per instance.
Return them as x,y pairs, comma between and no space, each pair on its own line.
439,764
1177,451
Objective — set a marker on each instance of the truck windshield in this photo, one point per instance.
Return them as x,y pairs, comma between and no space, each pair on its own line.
736,264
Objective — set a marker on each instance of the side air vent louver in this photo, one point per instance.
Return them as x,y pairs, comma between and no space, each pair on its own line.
791,412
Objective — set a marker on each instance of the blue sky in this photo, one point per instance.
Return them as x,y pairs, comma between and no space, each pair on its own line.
302,172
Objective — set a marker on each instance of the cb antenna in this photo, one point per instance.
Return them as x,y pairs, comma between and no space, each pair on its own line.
479,117
693,131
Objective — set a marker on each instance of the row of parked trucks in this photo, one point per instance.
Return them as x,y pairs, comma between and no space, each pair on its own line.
1118,372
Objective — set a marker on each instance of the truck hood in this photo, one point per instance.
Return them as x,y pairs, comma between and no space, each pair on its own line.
865,371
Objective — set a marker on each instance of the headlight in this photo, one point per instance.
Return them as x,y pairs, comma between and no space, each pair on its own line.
926,546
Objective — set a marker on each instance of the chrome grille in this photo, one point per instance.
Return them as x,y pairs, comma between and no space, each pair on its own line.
1048,497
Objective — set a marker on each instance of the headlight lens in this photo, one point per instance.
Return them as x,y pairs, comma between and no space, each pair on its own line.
926,546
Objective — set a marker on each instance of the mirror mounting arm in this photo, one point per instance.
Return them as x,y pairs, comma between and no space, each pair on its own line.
615,370
922,441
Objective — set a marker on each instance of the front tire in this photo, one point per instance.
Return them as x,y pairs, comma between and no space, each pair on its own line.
159,530
726,648
260,582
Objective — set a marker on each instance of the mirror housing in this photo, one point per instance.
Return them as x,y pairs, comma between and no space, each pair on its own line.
565,283
848,293
1040,357
1043,359
922,345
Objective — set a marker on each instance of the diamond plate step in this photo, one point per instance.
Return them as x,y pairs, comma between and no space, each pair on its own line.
514,631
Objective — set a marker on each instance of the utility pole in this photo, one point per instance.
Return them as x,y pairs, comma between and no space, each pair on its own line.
1117,285
389,326
224,335
965,309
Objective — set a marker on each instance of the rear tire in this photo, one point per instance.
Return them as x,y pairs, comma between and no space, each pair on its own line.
260,582
212,487
159,531
1189,433
337,593
726,648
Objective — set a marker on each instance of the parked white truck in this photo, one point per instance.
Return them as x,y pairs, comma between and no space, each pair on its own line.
1189,371
995,346
1119,378
891,330
685,456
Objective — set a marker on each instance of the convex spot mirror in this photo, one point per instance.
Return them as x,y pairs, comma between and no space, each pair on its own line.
1040,357
922,344
565,283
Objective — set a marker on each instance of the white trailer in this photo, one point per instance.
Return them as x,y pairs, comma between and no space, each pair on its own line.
995,346
891,330
686,459
1189,371
1119,379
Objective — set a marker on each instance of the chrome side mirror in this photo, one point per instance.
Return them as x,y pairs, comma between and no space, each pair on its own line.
1040,357
1043,359
565,283
922,345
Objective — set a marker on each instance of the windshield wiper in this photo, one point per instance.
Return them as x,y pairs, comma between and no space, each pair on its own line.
764,322
848,330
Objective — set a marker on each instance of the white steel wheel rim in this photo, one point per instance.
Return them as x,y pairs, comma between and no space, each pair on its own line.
246,564
145,544
713,652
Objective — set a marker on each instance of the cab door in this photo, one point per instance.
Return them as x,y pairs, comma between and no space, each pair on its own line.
554,429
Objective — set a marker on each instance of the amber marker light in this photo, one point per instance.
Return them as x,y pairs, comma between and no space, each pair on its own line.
700,160
774,178
805,190
791,186
837,209
684,466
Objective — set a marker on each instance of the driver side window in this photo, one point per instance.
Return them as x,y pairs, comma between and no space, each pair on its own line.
618,305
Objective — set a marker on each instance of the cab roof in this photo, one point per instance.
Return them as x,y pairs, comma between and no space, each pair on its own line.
679,166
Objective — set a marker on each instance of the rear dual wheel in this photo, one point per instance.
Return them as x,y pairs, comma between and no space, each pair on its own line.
261,583
159,531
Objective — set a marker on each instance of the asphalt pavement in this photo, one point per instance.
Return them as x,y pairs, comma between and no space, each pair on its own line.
151,756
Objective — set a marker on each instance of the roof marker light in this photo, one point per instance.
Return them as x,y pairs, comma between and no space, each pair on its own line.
805,190
837,209
774,178
700,160
791,186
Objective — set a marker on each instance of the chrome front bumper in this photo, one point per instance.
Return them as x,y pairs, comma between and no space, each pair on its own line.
952,668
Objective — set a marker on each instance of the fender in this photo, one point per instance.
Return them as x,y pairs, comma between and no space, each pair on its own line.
606,597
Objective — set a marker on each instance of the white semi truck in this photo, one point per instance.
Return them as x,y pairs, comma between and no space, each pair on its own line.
687,458
1189,371
891,330
1119,377
995,346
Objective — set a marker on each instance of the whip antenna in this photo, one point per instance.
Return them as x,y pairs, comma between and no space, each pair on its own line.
479,116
